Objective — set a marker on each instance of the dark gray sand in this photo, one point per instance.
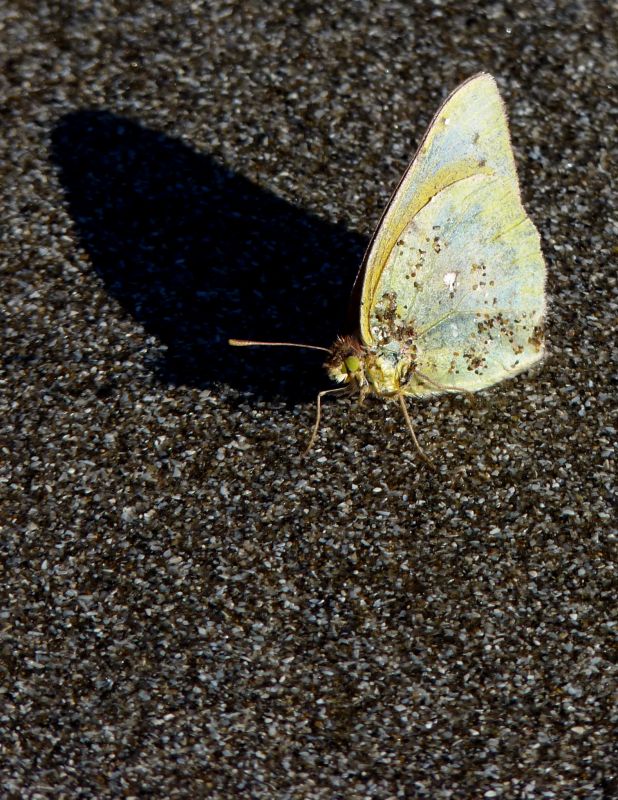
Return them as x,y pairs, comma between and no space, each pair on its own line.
191,610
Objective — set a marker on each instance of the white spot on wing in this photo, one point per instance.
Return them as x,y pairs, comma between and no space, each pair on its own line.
450,279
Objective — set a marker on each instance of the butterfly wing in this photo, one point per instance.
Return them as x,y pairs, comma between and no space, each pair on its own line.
468,136
464,286
455,272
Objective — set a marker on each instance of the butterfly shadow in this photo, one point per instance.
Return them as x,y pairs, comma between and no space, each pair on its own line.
198,254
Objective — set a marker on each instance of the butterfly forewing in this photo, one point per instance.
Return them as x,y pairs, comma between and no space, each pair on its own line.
468,136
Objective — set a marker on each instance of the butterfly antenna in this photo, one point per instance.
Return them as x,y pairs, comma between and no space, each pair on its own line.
251,343
419,449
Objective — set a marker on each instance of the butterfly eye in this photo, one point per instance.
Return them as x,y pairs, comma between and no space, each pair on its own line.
352,364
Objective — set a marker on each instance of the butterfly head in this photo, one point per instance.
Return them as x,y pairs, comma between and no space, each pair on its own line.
346,362
359,366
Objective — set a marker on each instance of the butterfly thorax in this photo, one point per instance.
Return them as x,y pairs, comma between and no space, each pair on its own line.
382,370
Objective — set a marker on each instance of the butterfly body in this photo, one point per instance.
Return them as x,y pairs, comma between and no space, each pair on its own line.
384,370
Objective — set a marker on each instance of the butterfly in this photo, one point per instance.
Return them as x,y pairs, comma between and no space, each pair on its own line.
450,296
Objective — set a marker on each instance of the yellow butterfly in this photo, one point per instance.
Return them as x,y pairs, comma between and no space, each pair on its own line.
452,287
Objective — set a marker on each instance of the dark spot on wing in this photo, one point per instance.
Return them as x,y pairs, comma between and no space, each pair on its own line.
537,337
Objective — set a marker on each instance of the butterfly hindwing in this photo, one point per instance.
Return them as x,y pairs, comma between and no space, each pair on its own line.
464,285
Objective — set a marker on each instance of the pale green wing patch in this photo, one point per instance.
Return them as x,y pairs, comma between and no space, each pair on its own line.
468,136
464,287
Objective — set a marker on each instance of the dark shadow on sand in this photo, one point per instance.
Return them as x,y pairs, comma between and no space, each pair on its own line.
198,254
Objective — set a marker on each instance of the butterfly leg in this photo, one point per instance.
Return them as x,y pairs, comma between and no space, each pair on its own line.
404,408
364,391
314,433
